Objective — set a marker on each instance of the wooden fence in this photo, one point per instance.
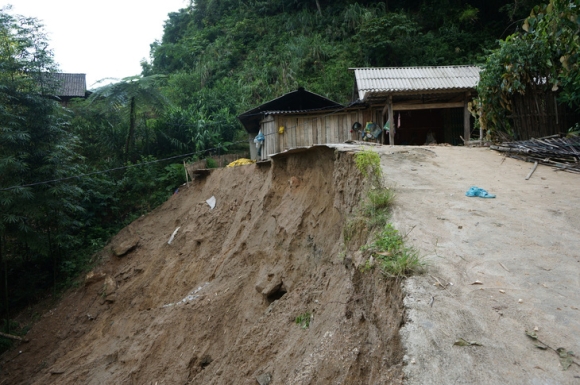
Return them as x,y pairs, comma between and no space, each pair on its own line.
537,114
220,161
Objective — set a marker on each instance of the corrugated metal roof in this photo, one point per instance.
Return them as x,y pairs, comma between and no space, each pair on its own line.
293,112
72,85
408,79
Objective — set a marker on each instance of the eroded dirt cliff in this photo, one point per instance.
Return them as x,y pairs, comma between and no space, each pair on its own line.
218,305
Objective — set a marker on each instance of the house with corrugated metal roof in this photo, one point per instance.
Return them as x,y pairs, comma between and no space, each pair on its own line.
298,118
427,104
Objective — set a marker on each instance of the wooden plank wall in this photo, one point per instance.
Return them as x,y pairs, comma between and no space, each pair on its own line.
271,137
307,130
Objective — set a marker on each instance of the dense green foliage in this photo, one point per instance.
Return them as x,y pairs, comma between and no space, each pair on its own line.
126,97
37,224
234,55
50,221
545,55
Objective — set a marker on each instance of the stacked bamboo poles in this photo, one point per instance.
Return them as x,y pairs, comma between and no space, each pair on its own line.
561,153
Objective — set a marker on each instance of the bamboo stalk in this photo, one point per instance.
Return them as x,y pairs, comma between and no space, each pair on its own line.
533,169
13,337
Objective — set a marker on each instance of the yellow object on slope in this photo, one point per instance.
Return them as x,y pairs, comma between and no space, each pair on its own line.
241,162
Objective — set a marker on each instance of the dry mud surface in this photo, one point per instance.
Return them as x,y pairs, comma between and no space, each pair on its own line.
218,304
525,242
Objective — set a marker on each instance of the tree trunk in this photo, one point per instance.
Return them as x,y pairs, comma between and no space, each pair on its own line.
52,255
131,133
4,263
319,9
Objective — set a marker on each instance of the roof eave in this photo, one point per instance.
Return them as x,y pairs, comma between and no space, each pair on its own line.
373,95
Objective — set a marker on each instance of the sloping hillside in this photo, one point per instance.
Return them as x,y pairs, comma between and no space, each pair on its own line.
218,305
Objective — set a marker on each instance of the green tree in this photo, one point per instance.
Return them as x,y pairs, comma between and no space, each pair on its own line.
129,97
555,27
544,56
37,221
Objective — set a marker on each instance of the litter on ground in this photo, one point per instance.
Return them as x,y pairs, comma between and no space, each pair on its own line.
478,192
211,202
173,236
241,162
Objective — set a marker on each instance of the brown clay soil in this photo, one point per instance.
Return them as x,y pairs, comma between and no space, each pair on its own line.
218,305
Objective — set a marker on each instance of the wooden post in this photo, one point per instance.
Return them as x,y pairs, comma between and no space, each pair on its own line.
186,175
391,122
466,120
384,121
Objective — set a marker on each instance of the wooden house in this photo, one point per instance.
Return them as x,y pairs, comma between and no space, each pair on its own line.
426,102
299,118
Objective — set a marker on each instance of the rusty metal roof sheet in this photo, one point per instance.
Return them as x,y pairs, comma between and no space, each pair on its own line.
384,81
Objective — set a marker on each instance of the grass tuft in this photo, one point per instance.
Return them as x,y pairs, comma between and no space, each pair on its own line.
368,163
304,320
377,206
395,259
353,228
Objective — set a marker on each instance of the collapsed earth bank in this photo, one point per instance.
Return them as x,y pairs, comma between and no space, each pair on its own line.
219,304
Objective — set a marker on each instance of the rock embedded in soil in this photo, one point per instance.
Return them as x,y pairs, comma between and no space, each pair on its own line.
93,277
264,379
125,246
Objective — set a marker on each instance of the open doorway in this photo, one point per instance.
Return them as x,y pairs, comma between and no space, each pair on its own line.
432,126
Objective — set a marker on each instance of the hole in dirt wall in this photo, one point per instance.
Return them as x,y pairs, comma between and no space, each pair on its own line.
276,294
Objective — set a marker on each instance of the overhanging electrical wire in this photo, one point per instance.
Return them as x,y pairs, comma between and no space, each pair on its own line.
154,161
114,169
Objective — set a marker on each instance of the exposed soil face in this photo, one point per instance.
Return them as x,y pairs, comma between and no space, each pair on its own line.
218,305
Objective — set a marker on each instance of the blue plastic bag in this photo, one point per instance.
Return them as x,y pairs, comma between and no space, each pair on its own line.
478,192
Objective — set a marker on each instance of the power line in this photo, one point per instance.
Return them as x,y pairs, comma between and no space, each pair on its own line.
220,146
116,168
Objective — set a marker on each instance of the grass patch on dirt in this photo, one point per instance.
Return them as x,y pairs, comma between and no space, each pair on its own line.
303,320
368,163
376,206
353,228
394,258
388,249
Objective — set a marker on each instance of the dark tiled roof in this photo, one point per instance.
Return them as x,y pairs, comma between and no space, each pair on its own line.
71,85
299,101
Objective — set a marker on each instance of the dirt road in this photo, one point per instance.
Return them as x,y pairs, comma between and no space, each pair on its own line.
524,248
